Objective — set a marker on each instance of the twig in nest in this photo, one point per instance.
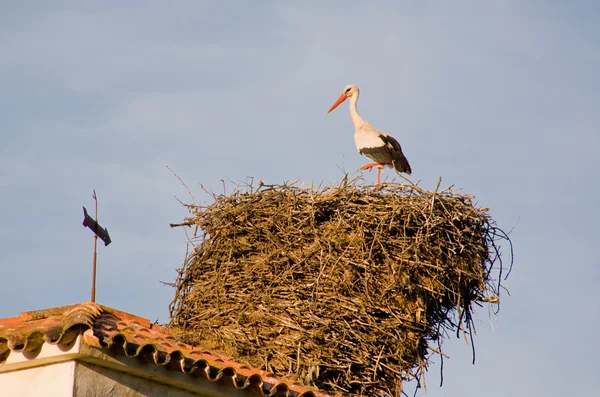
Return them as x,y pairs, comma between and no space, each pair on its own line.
183,183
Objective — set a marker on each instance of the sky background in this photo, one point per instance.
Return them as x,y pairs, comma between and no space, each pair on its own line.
499,98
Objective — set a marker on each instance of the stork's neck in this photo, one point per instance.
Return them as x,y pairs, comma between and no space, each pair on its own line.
356,119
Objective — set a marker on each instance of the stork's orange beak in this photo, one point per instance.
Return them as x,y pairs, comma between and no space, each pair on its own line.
341,99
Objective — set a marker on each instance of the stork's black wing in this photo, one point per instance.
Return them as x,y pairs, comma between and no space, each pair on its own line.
394,149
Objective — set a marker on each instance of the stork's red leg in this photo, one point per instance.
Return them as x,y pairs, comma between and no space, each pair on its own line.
370,166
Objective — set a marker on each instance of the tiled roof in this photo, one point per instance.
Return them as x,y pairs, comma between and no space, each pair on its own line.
106,328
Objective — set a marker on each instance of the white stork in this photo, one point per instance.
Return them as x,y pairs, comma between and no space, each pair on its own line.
370,142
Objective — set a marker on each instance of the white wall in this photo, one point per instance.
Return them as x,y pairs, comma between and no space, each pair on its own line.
52,380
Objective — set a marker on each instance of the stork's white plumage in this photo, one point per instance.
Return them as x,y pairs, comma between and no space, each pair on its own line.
372,143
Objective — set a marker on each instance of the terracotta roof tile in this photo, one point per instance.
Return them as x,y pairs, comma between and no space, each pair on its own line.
106,328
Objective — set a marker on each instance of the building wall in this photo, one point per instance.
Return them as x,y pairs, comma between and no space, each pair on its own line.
52,380
95,381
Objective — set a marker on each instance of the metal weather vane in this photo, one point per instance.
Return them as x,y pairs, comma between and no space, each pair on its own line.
99,231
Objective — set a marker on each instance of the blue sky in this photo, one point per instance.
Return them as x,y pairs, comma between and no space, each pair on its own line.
499,98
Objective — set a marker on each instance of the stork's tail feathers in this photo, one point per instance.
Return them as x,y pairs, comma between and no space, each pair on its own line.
400,163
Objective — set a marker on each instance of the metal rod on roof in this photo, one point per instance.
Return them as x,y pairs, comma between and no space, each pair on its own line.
95,252
99,231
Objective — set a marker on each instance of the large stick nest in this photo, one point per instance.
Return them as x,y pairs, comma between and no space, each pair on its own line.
349,288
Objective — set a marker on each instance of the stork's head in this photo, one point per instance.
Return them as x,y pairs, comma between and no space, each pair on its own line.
349,91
